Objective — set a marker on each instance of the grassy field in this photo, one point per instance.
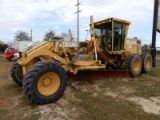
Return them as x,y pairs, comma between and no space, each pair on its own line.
111,99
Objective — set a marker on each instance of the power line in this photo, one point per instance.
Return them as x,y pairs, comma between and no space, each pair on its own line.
126,8
67,3
68,10
92,4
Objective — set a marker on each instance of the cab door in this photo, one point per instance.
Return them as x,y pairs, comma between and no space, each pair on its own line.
119,36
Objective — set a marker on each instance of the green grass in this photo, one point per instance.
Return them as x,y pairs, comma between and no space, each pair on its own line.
103,107
86,100
107,108
12,99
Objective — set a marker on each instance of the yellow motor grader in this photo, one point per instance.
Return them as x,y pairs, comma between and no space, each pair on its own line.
42,71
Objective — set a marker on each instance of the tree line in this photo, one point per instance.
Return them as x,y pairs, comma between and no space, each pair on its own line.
24,36
3,46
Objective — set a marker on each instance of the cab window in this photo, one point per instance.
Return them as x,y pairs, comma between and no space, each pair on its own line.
9,50
105,33
119,36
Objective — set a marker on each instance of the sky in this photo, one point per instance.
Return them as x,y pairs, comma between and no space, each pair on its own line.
59,16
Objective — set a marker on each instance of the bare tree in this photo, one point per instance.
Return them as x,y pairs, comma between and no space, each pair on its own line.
48,35
22,36
146,48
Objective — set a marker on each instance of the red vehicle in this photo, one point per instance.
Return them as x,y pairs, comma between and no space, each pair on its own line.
9,53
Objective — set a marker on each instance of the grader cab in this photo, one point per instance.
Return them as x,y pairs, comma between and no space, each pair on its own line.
43,70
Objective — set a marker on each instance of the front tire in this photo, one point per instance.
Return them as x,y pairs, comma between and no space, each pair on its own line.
17,73
45,82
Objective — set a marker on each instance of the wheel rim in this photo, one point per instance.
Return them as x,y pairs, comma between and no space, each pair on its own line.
48,83
136,65
148,62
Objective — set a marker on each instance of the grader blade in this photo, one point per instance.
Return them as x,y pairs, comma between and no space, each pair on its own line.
99,75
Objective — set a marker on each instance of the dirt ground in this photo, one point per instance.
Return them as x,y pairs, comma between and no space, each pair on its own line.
122,99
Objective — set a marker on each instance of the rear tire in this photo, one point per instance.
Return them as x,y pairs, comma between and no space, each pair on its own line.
146,62
134,64
17,73
45,82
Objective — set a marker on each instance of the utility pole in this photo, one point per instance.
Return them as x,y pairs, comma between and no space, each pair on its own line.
155,21
78,11
31,34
